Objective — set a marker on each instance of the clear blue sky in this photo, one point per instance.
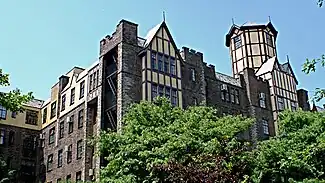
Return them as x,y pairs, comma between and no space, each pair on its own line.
42,39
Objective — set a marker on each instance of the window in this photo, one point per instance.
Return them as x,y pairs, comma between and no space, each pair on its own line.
69,154
31,117
44,115
293,106
174,97
269,39
281,103
53,109
265,127
153,60
224,92
63,102
172,66
2,136
160,62
80,118
166,64
73,90
96,80
236,96
232,95
3,112
78,176
79,149
262,100
82,89
91,82
195,101
193,74
49,162
70,124
59,180
14,114
167,92
237,41
60,158
52,135
11,137
154,92
61,130
68,178
161,90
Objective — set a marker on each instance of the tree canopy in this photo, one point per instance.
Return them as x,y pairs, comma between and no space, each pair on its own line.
12,100
161,142
297,154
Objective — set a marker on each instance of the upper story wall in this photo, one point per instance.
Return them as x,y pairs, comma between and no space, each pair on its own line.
250,45
67,94
29,119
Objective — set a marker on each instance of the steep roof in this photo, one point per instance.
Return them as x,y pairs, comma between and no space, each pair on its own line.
151,34
266,66
269,65
228,79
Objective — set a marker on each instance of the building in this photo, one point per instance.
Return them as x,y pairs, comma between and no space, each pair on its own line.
131,68
18,140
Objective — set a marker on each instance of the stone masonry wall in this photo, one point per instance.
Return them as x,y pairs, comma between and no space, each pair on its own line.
193,90
72,138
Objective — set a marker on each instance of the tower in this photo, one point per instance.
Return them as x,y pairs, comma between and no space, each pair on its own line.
250,45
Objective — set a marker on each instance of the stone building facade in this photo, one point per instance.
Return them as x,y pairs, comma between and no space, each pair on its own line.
131,68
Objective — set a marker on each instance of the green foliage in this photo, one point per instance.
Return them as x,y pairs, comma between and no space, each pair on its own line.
320,3
12,100
156,134
310,66
297,154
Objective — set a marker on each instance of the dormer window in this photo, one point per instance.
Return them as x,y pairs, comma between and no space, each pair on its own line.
237,42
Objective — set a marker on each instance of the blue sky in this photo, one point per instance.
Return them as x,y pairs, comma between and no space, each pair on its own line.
41,40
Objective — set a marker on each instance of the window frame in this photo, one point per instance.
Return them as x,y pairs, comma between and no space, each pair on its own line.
69,154
71,124
266,130
82,89
63,101
61,130
49,163
60,158
52,135
3,113
237,42
2,136
79,149
53,110
72,95
80,118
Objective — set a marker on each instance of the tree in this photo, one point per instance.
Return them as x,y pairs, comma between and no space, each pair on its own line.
310,66
297,154
157,139
12,101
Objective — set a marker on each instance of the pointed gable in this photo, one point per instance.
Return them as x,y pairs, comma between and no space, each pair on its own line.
286,67
161,30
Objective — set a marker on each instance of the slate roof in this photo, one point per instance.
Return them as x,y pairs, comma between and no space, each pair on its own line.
36,103
228,79
151,34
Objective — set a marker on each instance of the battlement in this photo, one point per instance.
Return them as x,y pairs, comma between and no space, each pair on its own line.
125,31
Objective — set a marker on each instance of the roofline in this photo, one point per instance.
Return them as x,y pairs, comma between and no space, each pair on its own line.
245,27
